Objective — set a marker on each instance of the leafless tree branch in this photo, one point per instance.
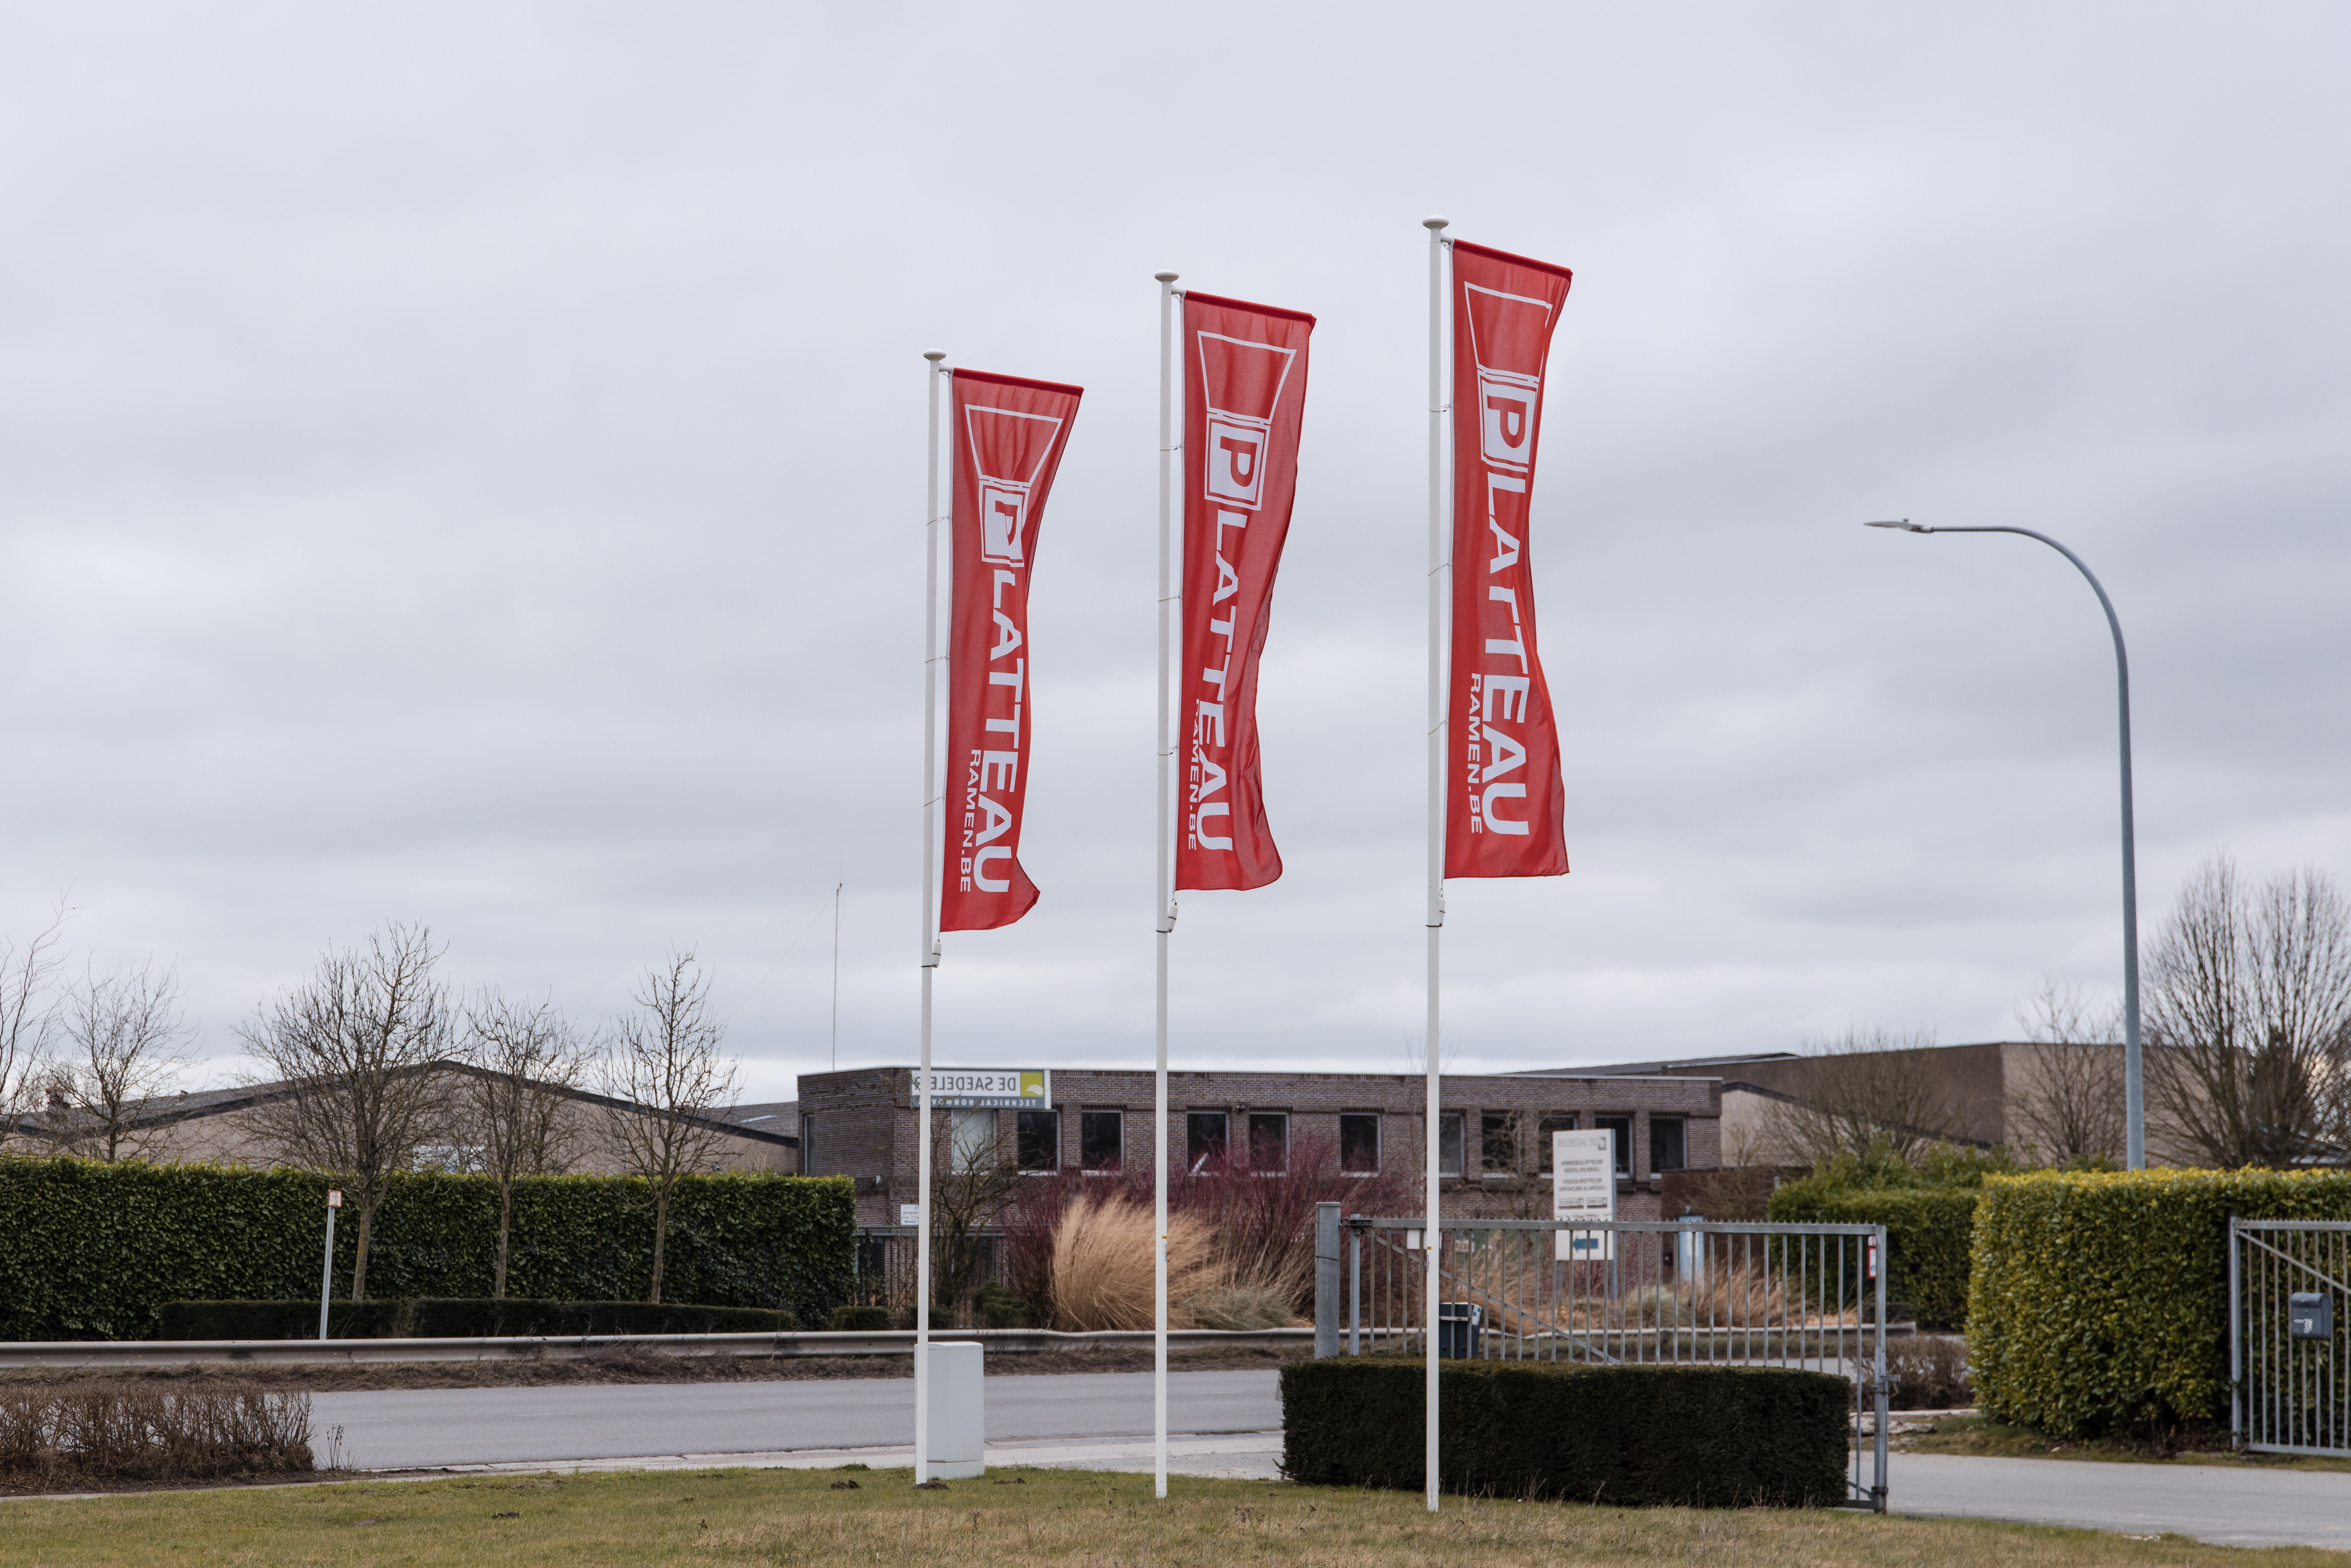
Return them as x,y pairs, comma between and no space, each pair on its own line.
664,1060
515,1107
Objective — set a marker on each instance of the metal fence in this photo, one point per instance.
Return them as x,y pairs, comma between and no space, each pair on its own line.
884,1264
1639,1291
2287,1335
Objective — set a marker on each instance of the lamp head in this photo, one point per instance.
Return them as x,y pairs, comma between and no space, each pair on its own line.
1905,524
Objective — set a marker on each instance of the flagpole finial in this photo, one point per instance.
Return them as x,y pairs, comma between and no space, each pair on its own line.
1436,223
935,355
1167,276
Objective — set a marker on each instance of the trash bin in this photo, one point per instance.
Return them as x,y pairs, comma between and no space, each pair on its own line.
1460,1326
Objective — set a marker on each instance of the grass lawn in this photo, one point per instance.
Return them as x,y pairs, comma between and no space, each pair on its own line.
728,1517
1977,1435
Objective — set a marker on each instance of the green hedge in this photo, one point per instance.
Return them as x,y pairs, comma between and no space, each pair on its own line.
2101,1302
92,1252
1927,1230
1704,1436
458,1318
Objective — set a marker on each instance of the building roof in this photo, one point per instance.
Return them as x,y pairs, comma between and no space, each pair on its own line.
1681,1066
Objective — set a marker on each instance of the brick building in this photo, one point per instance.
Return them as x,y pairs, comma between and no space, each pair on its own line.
861,1124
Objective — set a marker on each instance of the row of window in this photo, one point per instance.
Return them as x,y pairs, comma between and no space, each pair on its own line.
1504,1144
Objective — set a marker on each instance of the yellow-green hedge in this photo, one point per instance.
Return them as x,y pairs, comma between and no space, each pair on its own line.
2100,1302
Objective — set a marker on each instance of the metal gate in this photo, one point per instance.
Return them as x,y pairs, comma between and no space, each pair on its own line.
1626,1292
2288,1281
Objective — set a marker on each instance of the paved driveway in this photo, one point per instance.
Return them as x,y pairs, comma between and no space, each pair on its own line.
2225,1505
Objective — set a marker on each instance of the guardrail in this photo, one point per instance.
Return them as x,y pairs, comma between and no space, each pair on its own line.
312,1352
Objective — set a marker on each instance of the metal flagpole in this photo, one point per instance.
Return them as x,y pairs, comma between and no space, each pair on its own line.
1432,1233
1165,912
930,950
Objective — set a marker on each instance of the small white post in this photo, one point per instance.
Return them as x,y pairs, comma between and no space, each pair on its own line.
1433,1236
1165,909
930,951
327,1276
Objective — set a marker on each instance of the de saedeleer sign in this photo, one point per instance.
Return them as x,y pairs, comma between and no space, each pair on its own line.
985,1088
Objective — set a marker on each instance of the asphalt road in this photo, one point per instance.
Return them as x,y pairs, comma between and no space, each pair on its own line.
425,1428
2225,1505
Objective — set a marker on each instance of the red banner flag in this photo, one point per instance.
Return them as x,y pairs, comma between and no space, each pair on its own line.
1504,812
1244,394
1008,434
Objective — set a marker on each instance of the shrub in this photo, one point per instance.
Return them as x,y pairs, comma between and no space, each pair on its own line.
863,1319
1705,1436
2100,1301
279,1319
93,1252
1929,1372
57,1436
461,1317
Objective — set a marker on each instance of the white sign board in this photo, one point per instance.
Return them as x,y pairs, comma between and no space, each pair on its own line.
910,1214
984,1088
1583,1187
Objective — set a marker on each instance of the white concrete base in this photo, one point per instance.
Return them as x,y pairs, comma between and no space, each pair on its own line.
958,1412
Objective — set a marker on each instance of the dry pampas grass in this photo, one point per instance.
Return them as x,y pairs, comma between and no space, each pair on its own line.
1101,1270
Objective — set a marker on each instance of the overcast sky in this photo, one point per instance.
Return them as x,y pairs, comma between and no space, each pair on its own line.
464,463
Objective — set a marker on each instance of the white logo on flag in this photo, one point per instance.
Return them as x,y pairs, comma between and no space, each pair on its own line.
1510,379
1243,380
1008,451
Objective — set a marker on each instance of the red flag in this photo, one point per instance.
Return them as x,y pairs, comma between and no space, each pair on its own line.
1244,393
1008,434
1504,811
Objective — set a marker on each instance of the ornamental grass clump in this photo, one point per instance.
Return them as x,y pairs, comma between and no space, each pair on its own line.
80,1434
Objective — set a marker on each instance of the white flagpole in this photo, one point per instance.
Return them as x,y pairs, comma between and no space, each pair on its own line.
930,951
1432,1233
1165,912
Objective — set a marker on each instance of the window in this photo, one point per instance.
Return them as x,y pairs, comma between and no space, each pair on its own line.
1102,1139
1448,1143
973,1142
1497,1143
1268,1140
1622,1127
873,1260
1359,1143
1543,1130
807,1144
1668,1146
1040,1140
1204,1138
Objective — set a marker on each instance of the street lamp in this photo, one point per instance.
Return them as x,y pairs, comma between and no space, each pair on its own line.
2134,1083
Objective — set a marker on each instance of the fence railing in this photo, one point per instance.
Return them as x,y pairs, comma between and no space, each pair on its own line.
2289,1282
1633,1293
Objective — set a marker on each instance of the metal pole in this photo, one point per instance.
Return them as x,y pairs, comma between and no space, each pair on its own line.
835,1033
930,950
2134,1078
1432,1232
2236,1346
327,1278
1164,908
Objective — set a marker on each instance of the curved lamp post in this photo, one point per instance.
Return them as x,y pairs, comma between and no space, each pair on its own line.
2134,1083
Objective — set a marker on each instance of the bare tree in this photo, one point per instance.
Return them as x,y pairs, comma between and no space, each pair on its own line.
1867,1089
2248,1012
2070,1105
356,1044
27,1012
666,1064
975,1179
517,1104
122,1034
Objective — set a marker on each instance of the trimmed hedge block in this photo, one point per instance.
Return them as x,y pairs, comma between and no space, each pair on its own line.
1927,1234
1700,1436
2101,1301
279,1320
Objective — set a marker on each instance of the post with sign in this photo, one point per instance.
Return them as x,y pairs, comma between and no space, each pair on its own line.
327,1276
1583,1187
